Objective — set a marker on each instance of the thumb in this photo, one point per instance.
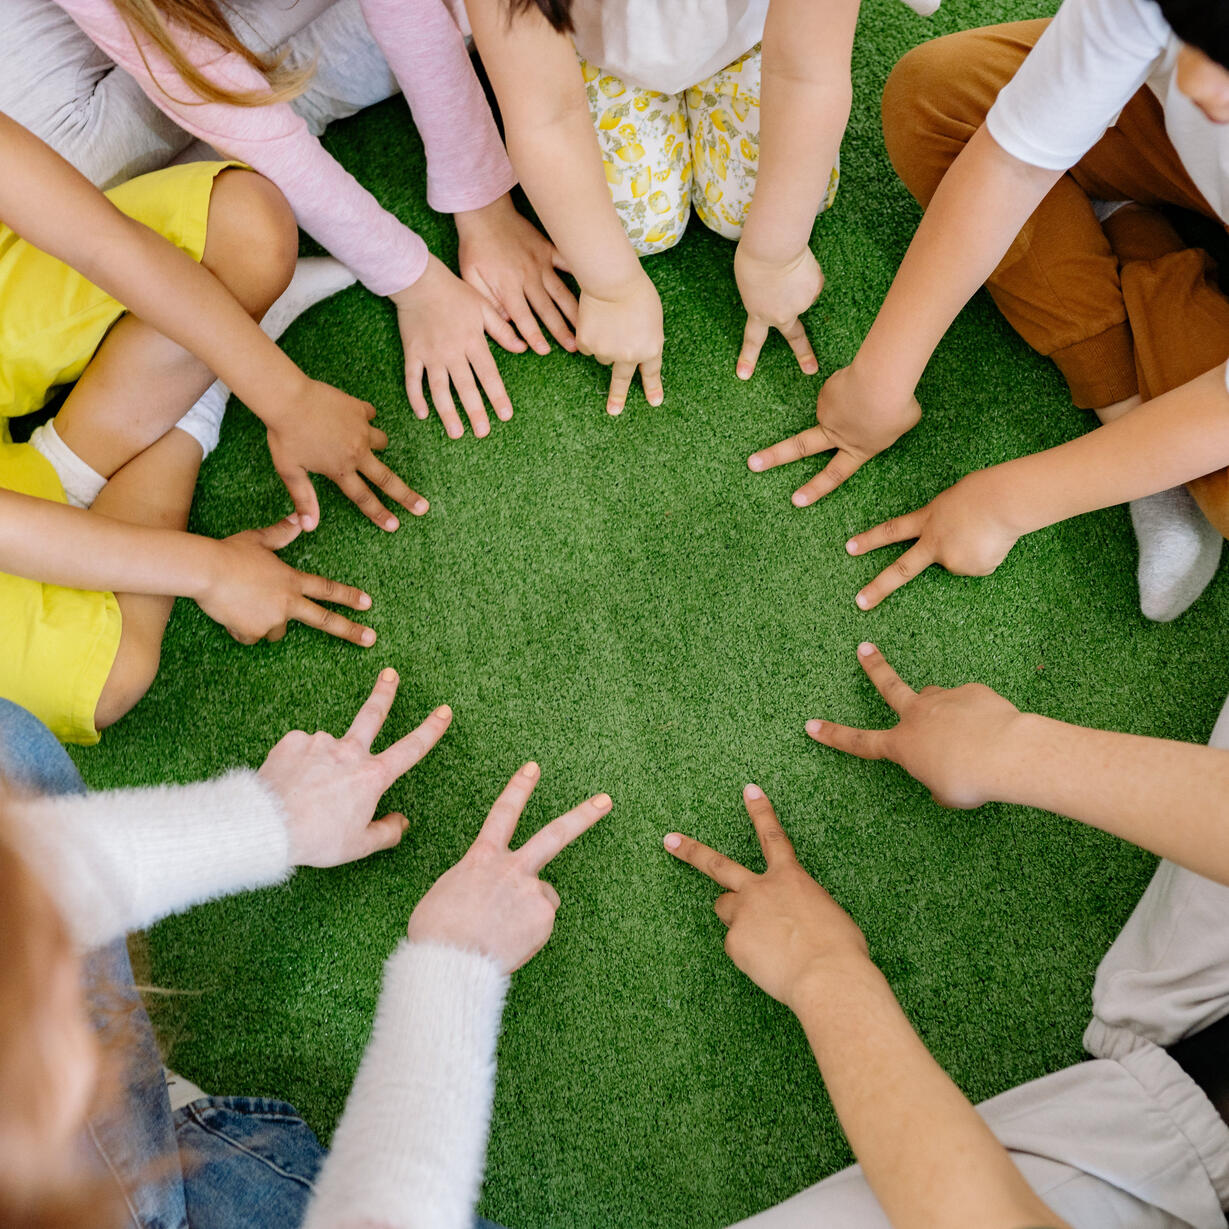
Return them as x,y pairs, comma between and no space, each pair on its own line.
386,832
277,536
306,506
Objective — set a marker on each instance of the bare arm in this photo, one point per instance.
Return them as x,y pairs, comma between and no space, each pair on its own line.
971,527
969,746
930,1159
549,131
805,98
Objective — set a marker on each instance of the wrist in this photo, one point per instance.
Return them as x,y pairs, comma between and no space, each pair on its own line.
828,980
1019,759
207,568
283,391
1018,505
471,221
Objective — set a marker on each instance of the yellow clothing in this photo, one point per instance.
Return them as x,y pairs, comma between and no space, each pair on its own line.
59,644
666,154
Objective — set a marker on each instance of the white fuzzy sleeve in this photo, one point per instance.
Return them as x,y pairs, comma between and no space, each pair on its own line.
410,1149
119,860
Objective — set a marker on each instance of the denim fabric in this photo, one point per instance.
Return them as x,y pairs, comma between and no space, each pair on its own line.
247,1163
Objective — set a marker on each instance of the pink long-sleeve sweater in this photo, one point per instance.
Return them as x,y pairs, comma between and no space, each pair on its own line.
466,163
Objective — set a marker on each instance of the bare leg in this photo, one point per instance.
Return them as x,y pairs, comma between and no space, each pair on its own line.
140,383
1108,413
153,489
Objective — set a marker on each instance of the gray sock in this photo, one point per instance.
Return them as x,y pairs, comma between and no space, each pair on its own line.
1179,552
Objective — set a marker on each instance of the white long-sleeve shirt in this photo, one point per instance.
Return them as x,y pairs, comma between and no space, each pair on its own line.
410,1148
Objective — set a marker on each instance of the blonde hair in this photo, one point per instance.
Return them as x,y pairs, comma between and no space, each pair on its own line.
206,18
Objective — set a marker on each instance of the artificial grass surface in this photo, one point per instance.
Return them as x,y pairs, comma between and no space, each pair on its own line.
622,600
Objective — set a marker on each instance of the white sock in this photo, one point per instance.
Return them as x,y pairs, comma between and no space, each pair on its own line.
315,278
81,482
1179,552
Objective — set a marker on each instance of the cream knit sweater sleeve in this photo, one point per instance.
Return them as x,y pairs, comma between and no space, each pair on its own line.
410,1148
119,860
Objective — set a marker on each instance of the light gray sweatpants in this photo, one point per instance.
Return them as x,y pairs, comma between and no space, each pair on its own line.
1127,1140
56,83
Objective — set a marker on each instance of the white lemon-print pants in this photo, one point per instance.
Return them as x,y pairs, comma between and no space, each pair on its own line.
665,153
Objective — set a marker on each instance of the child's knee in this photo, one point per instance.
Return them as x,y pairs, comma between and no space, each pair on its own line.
253,239
916,98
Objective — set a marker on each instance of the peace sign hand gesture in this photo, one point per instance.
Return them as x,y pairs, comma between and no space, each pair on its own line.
783,926
957,742
492,901
330,787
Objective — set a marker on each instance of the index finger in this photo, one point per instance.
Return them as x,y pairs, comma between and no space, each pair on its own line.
620,383
720,869
369,719
913,562
887,682
754,336
773,841
501,822
311,615
412,747
650,380
550,841
805,444
374,470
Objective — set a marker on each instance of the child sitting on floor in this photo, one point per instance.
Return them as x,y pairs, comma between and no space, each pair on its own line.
85,595
672,95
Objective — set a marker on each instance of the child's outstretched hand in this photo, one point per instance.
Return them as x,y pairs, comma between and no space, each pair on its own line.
444,324
961,529
625,333
854,420
957,742
254,595
325,431
513,265
784,928
775,295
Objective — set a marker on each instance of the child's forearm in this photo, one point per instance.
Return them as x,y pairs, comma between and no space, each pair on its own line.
805,99
980,206
1171,798
57,545
1173,439
928,1156
550,138
55,208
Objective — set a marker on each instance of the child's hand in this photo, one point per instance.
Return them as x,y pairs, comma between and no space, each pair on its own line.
330,787
326,431
784,928
492,901
512,264
625,333
775,296
955,742
254,595
961,529
854,421
443,325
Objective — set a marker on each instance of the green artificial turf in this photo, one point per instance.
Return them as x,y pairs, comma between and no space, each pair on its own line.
622,600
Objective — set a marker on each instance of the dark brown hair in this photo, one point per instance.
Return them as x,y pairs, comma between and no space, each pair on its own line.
557,12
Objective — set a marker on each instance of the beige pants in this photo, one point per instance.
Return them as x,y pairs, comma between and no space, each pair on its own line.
1124,308
1127,1141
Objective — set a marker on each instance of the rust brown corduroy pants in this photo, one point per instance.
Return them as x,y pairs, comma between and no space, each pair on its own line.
1122,307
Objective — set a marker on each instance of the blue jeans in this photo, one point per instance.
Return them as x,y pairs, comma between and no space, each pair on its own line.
235,1162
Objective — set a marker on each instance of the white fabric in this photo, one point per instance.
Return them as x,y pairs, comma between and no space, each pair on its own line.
411,1145
120,860
1128,1141
1089,63
669,45
82,483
